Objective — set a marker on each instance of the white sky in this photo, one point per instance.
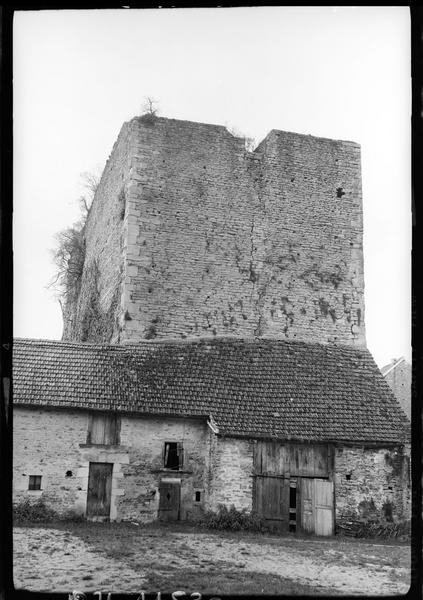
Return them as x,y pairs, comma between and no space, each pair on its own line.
342,73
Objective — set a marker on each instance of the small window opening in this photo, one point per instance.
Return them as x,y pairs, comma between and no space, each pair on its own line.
173,455
197,496
293,507
34,482
348,476
69,473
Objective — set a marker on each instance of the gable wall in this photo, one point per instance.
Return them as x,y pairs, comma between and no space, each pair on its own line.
399,380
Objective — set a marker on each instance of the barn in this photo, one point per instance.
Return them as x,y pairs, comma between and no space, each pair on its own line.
305,435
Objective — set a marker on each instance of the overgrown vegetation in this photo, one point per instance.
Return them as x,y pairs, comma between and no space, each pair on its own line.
372,527
384,530
232,520
69,253
27,511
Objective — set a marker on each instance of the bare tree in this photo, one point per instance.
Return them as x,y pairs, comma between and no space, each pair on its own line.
90,182
68,257
150,107
69,252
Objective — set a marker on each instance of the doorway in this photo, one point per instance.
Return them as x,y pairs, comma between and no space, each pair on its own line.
170,500
317,514
272,494
99,489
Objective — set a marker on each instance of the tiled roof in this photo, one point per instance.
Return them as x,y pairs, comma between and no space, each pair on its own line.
258,388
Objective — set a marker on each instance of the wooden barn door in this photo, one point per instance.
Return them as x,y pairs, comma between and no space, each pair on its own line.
99,489
307,504
323,502
272,484
170,500
316,497
272,500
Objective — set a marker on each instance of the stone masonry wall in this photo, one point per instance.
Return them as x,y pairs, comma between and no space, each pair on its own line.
227,242
232,469
372,483
97,314
221,241
46,443
52,443
145,437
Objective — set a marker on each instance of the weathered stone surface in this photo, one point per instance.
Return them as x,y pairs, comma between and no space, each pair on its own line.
216,240
220,468
97,313
372,483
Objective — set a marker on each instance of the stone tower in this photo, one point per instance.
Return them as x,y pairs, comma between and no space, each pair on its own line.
191,235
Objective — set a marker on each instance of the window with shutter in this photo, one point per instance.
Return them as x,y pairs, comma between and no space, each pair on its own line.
103,429
173,455
34,482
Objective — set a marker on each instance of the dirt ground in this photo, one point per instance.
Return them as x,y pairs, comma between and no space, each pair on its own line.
129,559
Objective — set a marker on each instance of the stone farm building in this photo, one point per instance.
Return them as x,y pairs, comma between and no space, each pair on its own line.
214,344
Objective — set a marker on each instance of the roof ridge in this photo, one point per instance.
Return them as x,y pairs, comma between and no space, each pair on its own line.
194,341
392,365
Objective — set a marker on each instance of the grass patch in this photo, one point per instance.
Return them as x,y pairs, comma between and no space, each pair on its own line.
227,582
28,512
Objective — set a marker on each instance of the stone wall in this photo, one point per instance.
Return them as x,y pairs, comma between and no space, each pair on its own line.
52,443
145,439
372,483
221,241
97,313
232,469
46,443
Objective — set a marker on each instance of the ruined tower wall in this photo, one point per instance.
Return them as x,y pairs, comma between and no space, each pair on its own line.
311,283
189,262
221,241
97,312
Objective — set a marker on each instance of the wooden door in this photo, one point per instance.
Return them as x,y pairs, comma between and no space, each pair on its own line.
323,503
99,489
170,500
272,500
307,504
316,498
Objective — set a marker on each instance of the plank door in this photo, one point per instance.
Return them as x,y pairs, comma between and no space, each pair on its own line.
99,489
170,501
316,498
307,504
323,503
272,500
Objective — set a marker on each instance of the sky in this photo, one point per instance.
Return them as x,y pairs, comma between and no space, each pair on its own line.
335,72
